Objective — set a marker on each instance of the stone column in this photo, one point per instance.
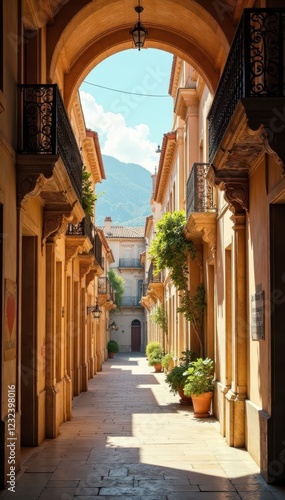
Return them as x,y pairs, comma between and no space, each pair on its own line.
52,393
235,397
236,194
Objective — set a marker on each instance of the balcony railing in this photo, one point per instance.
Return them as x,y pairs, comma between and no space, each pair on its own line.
199,194
46,130
130,301
254,68
87,228
130,263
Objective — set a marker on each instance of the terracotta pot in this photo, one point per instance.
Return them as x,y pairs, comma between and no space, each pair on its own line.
111,354
157,367
201,404
184,400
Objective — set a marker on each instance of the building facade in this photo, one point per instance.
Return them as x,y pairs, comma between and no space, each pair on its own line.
127,245
228,89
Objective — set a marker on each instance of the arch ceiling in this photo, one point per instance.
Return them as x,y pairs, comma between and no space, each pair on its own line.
82,33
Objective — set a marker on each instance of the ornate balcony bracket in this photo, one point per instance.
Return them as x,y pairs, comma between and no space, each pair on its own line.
155,291
235,187
146,302
86,262
202,225
33,173
91,274
75,245
55,223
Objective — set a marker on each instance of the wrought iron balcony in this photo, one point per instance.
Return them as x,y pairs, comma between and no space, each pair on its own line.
46,130
87,228
130,263
199,194
131,301
254,69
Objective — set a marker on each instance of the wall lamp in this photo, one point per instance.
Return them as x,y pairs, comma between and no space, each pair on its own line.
139,32
113,326
95,310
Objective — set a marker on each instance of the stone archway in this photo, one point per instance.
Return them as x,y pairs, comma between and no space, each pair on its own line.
83,35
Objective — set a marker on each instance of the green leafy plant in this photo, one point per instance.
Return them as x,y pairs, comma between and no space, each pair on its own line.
113,346
159,316
199,377
152,346
176,378
167,360
187,357
154,353
169,249
118,284
88,195
155,357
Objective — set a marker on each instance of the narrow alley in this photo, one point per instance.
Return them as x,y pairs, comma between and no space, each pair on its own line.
130,438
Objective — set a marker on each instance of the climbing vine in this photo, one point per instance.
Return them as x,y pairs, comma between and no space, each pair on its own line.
88,195
118,284
159,316
170,250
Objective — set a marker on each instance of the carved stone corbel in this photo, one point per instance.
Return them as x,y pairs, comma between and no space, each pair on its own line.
55,224
235,188
33,172
85,264
91,275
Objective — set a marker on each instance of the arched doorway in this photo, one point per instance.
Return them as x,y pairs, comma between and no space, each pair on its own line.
136,336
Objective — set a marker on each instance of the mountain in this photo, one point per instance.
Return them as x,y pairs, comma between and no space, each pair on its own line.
124,195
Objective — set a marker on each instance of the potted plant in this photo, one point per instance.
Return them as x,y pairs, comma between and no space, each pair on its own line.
200,385
151,346
112,347
155,354
176,378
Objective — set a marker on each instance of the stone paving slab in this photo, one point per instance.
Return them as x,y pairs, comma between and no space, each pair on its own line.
130,439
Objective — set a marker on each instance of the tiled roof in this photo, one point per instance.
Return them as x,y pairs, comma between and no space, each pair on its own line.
124,232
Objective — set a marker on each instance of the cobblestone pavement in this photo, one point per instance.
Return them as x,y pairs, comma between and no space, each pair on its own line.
129,438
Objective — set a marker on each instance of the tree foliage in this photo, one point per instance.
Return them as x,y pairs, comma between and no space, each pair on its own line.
169,249
159,316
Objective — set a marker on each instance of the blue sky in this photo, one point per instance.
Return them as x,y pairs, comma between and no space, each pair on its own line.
130,123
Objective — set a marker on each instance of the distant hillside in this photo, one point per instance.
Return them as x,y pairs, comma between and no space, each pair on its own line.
126,193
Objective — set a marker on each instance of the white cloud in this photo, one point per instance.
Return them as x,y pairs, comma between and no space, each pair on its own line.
129,145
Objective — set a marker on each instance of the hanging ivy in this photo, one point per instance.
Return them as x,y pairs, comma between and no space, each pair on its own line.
170,249
118,284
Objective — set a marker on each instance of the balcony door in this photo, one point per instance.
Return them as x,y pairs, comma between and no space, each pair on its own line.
136,336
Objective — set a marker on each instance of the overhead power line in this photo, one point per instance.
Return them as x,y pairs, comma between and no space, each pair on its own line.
125,92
